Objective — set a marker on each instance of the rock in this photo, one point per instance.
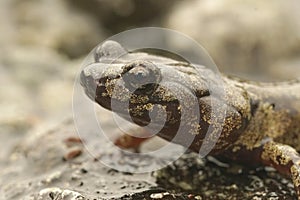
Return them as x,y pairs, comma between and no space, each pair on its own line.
37,41
58,194
243,37
84,176
41,157
206,179
54,25
120,15
286,69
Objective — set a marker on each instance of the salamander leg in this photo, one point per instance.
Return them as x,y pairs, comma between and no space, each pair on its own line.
283,158
127,141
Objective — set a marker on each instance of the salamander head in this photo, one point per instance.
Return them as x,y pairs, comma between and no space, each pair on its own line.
128,81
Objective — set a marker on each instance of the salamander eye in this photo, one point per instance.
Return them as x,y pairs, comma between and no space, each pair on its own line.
108,49
141,77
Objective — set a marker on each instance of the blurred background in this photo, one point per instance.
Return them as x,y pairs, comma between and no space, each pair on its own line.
42,45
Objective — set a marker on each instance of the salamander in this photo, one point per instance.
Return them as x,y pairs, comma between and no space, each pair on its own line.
261,125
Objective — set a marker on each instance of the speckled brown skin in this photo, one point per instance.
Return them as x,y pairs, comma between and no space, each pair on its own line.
262,121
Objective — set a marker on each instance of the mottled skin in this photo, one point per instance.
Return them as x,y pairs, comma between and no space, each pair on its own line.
262,121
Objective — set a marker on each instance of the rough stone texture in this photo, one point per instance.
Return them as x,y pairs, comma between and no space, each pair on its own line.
211,179
243,37
52,24
39,169
35,169
120,15
38,38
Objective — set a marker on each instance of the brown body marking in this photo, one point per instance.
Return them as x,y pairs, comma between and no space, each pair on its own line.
262,122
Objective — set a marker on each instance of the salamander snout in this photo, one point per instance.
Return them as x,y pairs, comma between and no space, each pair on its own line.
90,77
88,80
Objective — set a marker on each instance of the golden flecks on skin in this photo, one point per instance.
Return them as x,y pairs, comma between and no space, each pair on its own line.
140,109
104,94
236,148
277,153
196,130
256,111
265,123
139,99
292,133
116,90
285,159
164,95
232,123
295,173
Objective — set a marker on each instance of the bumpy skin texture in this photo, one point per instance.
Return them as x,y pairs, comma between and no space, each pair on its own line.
261,125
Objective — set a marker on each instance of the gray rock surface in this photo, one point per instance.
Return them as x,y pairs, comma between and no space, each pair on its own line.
44,166
246,38
37,75
41,164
